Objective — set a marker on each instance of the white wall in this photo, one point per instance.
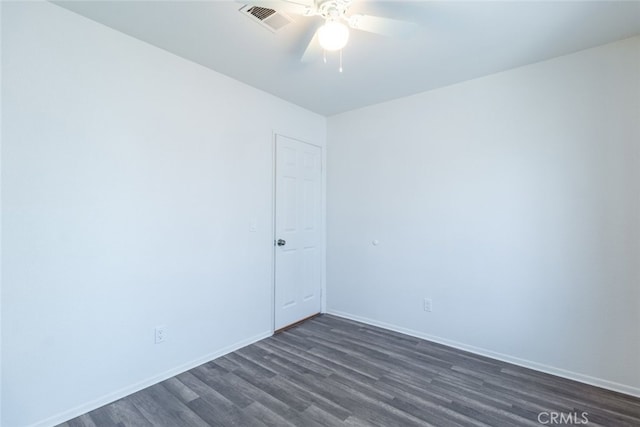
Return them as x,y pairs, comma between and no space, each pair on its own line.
513,201
129,181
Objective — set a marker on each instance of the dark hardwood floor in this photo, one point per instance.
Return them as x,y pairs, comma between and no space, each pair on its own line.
330,371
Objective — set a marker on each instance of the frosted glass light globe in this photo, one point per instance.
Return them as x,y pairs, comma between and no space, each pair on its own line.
333,35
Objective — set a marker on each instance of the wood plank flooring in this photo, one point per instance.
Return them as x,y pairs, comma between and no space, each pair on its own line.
330,371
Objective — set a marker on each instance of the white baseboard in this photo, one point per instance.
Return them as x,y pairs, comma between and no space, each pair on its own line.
119,394
598,382
123,392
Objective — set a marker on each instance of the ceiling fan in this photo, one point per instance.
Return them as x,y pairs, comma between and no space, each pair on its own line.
333,35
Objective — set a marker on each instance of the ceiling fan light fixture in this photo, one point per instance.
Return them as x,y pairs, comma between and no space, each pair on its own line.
333,35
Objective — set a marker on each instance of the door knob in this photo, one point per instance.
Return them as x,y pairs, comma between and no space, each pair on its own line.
281,242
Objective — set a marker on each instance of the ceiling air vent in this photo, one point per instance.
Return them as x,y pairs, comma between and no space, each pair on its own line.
269,18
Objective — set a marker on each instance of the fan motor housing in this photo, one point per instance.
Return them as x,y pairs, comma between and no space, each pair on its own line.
333,9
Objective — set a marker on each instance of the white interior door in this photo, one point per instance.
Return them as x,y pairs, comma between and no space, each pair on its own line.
298,236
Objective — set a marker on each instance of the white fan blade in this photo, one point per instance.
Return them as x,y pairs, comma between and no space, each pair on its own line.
297,7
384,26
313,49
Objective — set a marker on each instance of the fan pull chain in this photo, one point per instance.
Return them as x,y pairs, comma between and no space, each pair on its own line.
340,69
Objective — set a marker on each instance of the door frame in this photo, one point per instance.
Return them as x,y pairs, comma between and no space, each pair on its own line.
323,222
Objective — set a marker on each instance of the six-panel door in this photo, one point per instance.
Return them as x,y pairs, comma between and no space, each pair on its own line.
298,238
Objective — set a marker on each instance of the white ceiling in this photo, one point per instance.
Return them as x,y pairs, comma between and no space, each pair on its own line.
456,41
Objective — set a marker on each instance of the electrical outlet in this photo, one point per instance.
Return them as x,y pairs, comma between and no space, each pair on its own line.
427,305
161,334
